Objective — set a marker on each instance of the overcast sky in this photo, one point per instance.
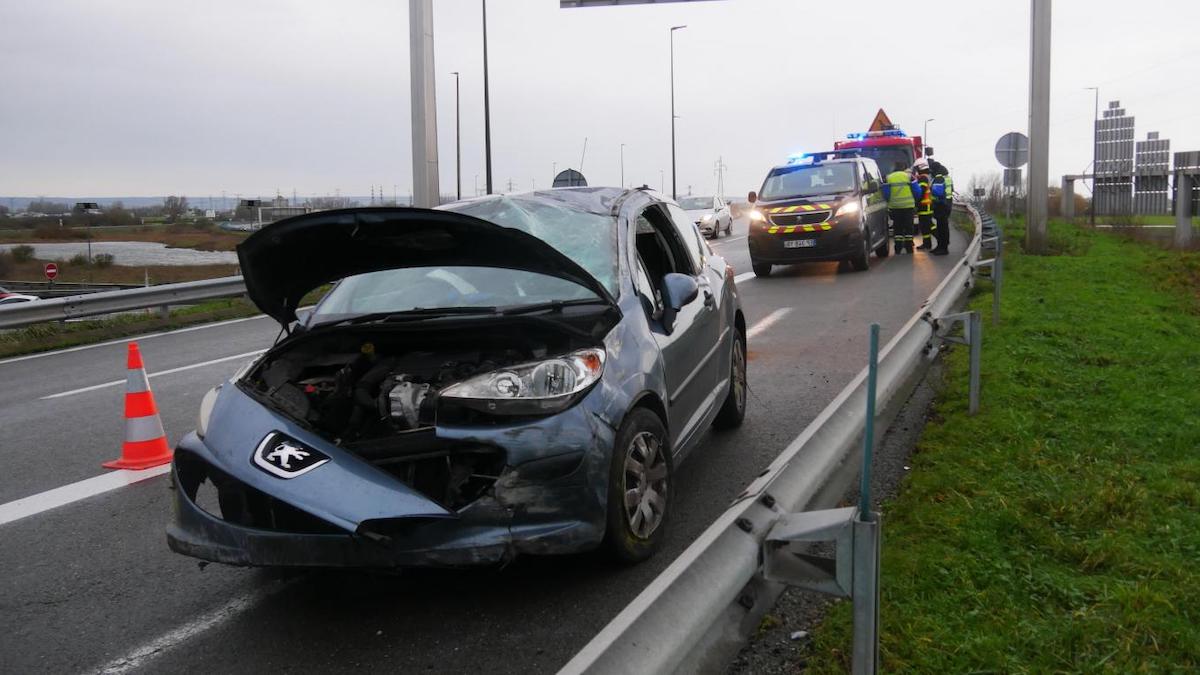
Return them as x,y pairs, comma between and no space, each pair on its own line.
145,97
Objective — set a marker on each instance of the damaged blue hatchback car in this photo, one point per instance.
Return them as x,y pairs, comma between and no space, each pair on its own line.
501,376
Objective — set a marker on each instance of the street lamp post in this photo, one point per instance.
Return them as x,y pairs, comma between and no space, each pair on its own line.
1095,151
457,139
487,110
622,165
673,29
925,138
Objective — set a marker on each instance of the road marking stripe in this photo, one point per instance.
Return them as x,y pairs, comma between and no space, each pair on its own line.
164,643
743,277
727,240
61,496
133,338
767,321
180,369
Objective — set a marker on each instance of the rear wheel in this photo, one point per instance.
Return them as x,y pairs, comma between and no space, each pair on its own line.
761,269
639,488
861,259
733,411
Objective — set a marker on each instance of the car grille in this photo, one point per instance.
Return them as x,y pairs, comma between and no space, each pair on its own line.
808,218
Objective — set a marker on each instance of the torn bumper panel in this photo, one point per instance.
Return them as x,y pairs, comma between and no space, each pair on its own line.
547,499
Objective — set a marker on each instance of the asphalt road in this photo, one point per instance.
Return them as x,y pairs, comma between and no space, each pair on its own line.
92,587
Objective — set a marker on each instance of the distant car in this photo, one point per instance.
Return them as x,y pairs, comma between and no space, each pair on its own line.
711,214
7,298
504,375
816,209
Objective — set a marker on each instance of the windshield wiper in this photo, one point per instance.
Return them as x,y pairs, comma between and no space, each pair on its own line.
417,314
553,305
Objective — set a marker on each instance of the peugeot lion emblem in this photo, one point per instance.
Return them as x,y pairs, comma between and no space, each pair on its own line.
284,457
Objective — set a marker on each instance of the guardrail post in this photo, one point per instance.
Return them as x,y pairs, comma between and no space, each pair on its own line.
164,312
866,595
972,325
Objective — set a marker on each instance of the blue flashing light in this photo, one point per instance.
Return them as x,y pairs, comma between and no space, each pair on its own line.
857,135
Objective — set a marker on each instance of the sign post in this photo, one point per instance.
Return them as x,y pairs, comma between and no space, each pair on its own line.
51,271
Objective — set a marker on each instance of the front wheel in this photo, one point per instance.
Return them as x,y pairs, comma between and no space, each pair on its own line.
761,270
860,260
882,250
639,488
733,411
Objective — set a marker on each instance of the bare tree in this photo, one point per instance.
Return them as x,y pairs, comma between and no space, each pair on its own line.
175,207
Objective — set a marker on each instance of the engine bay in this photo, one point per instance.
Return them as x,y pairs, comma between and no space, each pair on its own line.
354,385
375,392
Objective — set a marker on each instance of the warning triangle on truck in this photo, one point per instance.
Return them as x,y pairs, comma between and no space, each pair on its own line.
881,122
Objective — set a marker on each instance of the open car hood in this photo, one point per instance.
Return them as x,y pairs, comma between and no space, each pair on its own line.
286,259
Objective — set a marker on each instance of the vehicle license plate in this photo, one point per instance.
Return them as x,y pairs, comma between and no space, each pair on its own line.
800,243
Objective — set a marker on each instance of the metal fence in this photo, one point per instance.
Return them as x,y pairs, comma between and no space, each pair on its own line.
695,614
111,302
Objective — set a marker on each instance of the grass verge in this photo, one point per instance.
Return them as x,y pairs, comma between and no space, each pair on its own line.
1059,529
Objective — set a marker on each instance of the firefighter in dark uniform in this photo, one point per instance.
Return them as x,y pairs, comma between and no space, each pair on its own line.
898,187
943,199
924,198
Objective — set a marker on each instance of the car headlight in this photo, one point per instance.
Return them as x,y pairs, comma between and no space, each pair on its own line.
206,408
849,208
757,216
706,217
541,387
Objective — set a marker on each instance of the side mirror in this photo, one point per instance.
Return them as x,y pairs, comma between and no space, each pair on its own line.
678,290
872,186
752,197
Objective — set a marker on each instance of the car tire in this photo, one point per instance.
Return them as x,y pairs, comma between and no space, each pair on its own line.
631,535
761,270
733,410
884,249
861,260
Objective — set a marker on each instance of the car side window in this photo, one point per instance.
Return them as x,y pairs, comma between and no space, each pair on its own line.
660,251
688,233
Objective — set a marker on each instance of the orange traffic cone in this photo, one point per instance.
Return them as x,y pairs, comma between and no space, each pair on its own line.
145,441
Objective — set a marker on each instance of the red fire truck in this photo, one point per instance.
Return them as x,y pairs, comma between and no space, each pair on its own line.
884,142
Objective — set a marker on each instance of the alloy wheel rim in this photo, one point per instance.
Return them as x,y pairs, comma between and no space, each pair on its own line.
645,484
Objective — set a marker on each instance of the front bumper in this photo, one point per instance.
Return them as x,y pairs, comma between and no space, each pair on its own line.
842,240
550,498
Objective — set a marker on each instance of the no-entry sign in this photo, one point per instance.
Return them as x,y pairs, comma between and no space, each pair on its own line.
51,271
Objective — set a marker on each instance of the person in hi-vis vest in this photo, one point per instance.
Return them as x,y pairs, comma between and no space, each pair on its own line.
899,188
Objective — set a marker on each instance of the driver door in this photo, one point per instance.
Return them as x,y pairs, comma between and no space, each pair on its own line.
691,348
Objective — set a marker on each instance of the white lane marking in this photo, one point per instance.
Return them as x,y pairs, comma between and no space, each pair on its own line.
767,321
729,240
61,496
167,641
180,369
744,276
134,338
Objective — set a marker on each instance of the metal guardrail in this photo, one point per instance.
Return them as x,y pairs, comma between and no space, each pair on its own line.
111,302
693,616
46,289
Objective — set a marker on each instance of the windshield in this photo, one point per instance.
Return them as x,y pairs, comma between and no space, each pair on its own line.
588,239
888,156
808,181
696,203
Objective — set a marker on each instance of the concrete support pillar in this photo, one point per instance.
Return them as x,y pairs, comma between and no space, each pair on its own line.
1068,197
424,109
1183,210
1039,126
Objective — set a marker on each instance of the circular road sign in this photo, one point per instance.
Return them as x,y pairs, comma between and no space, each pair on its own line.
569,178
1012,150
51,271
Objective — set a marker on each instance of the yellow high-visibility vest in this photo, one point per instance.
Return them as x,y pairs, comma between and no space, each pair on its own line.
901,196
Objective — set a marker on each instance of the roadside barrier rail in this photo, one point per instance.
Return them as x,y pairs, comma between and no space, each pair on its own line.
111,302
695,614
